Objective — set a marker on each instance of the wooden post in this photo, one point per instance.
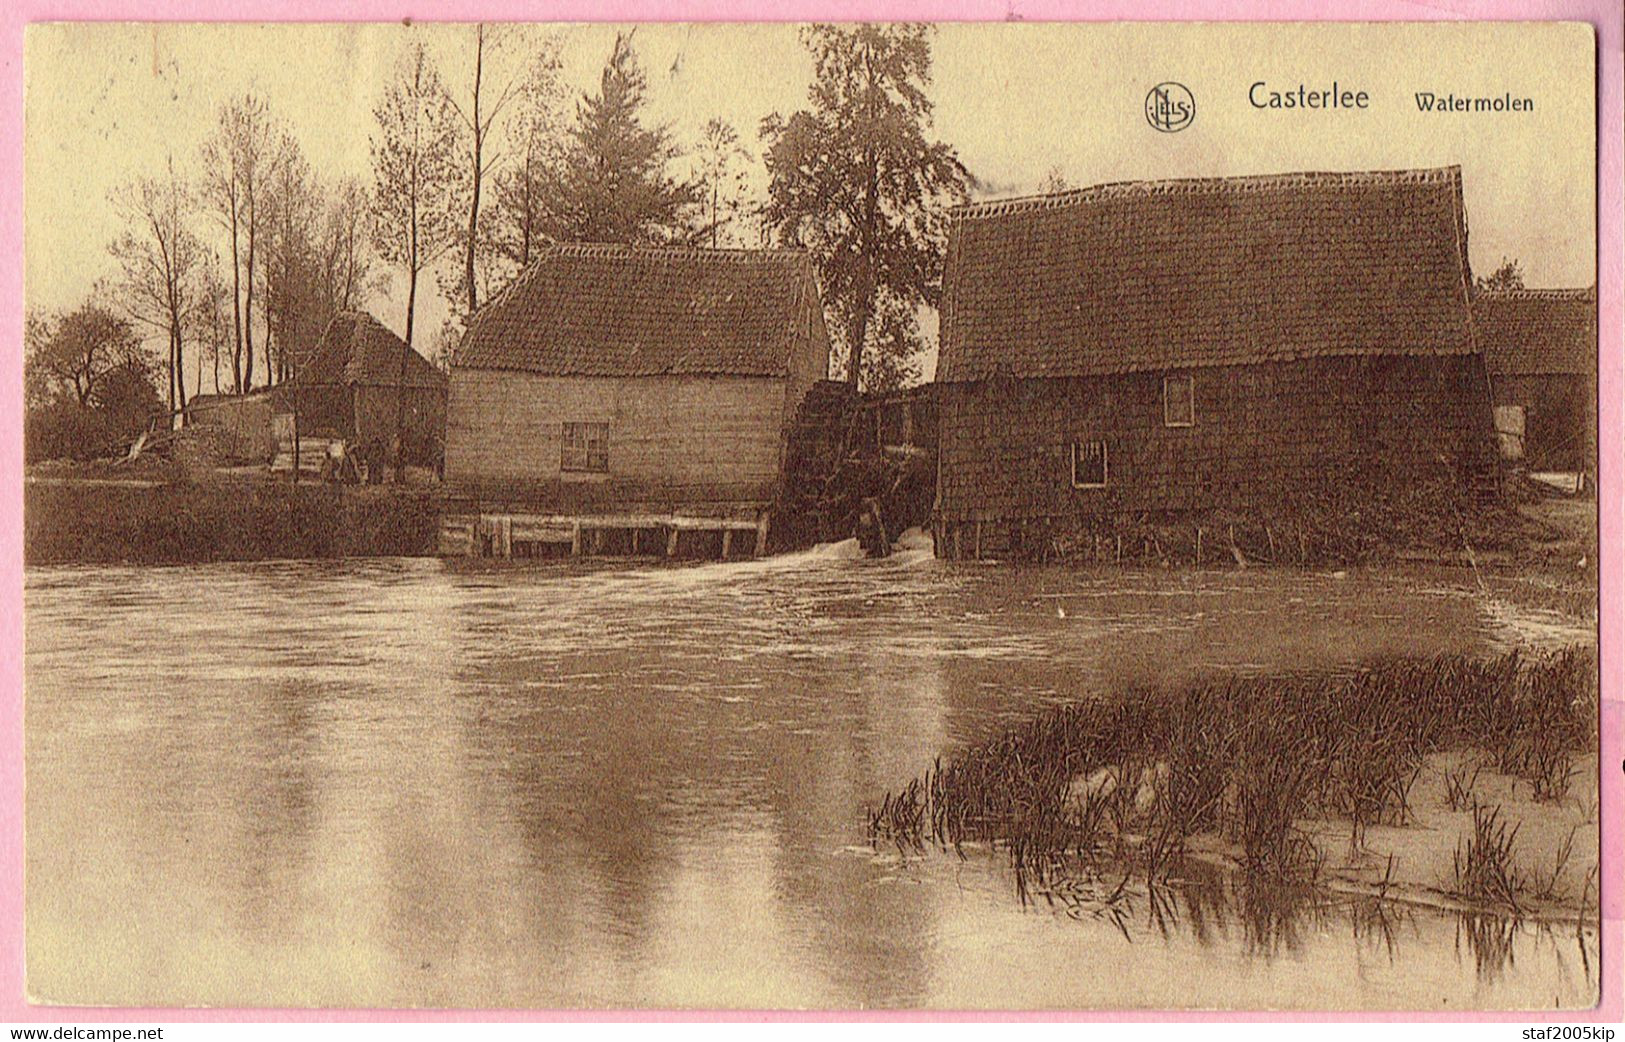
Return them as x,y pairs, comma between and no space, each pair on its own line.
671,542
1198,546
575,540
727,541
761,534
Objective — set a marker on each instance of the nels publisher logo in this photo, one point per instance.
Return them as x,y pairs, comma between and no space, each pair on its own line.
1169,107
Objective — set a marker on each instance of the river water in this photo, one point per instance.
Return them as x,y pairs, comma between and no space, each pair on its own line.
418,783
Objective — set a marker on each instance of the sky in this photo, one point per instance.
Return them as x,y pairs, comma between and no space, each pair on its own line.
106,103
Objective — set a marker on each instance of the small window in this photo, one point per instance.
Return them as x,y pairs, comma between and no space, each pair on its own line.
1179,401
586,447
1089,464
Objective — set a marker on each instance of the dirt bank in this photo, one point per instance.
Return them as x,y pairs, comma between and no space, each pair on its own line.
90,519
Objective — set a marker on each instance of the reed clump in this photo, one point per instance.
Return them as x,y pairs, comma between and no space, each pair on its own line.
1484,866
1134,778
1458,785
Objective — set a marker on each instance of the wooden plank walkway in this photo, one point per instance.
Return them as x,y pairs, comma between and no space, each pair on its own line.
602,535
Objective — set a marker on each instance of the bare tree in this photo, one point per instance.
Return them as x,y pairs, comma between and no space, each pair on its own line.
414,175
293,312
536,137
238,163
413,165
723,169
479,113
159,256
211,323
342,248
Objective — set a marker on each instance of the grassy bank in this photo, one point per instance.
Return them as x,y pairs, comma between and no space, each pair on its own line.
1299,780
90,522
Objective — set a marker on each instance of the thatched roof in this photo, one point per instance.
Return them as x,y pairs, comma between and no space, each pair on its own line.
602,310
358,350
1219,271
1537,332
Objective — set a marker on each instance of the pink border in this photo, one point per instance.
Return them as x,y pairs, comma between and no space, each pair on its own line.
1602,14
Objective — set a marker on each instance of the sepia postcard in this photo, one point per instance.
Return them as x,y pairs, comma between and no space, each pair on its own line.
821,517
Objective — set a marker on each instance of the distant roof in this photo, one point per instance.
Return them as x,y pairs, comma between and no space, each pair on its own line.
356,348
1205,272
603,310
1533,332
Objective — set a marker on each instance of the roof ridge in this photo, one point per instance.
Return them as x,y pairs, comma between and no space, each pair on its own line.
617,249
357,317
1195,185
1537,293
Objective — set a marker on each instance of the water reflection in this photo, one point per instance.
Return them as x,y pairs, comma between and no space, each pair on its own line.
398,783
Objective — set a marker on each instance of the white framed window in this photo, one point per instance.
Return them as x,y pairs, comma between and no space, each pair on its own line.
1179,400
585,448
1089,465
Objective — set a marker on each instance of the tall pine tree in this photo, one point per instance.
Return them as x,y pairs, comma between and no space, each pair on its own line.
613,185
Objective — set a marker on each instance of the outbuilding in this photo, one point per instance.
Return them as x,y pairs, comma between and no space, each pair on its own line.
363,384
1540,346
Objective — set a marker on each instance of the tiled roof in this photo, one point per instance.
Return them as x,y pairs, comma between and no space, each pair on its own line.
602,310
1206,272
358,349
1534,332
